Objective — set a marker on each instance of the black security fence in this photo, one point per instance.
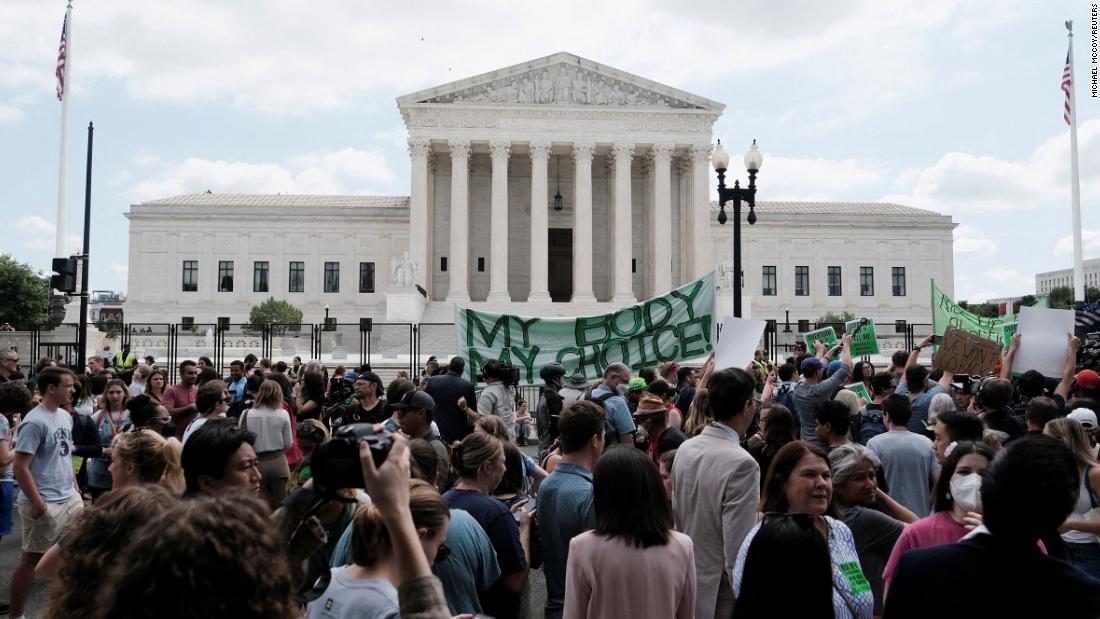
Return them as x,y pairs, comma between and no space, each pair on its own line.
389,347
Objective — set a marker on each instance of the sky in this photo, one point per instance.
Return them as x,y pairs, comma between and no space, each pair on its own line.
949,105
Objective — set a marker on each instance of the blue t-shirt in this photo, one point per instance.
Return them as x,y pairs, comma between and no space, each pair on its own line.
920,404
619,421
236,389
500,525
48,436
565,510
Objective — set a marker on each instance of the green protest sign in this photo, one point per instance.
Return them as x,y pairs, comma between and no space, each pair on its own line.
946,313
861,390
677,326
826,335
1007,331
864,340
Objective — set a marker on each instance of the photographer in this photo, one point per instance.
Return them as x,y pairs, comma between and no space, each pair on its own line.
499,398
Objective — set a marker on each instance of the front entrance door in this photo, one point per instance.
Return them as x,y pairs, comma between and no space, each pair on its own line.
560,264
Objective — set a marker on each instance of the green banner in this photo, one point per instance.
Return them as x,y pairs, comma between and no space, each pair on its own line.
677,326
860,389
825,334
947,313
864,340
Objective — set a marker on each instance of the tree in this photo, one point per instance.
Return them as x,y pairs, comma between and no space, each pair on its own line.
831,317
26,293
1026,301
1061,297
273,312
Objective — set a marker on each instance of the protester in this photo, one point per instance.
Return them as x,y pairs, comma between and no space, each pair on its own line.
619,425
91,550
113,417
219,459
367,588
446,390
9,364
549,406
271,425
498,397
698,416
576,389
1079,531
48,497
833,421
212,401
565,498
633,542
957,504
716,485
862,372
478,461
311,394
875,519
915,384
686,380
800,482
180,399
415,413
156,386
139,381
776,429
147,413
366,407
664,467
664,391
941,403
953,427
1038,412
908,459
815,389
786,548
145,457
311,434
1027,491
992,397
236,382
652,416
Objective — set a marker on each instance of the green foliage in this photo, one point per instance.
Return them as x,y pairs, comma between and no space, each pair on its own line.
1026,301
832,317
273,312
112,326
1061,297
26,293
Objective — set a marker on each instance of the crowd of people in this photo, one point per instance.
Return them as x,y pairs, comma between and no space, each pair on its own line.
772,490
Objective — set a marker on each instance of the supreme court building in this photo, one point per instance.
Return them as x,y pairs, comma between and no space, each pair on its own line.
558,186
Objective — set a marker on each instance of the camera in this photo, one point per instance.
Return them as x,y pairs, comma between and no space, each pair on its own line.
504,372
335,464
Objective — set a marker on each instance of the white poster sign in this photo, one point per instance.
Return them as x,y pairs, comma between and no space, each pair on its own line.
1043,340
737,342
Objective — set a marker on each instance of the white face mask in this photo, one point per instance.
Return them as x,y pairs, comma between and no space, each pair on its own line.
967,492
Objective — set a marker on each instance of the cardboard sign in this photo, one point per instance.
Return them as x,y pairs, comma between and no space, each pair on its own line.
1043,340
826,335
864,340
738,343
861,390
966,353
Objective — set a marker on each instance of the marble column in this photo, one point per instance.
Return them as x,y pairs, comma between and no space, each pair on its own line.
498,228
702,260
539,152
420,151
459,289
582,222
660,230
622,289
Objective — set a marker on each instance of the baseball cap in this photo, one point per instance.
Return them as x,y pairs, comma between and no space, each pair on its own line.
1087,379
834,366
636,384
415,400
374,378
811,364
1085,417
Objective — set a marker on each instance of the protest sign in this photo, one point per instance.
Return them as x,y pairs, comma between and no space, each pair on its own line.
1007,331
677,326
966,353
861,390
946,313
1043,340
738,342
864,339
826,335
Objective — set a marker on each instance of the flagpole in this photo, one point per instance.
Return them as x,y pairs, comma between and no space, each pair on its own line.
1075,180
63,167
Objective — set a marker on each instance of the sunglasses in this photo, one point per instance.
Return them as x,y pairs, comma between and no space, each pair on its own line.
442,554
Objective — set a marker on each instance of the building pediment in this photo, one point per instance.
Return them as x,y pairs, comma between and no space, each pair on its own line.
561,80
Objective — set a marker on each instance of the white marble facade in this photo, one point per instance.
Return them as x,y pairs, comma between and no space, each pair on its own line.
630,159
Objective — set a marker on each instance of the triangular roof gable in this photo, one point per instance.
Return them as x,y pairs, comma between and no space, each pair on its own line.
561,79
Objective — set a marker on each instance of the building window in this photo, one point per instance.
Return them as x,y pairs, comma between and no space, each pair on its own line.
259,276
223,323
187,322
332,277
897,279
443,263
866,281
225,276
769,282
480,264
297,277
899,326
190,275
366,277
835,286
802,281
803,326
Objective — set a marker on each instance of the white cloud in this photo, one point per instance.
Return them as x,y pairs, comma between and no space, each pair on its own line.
346,171
73,244
1090,244
120,271
969,240
35,225
10,114
995,283
817,179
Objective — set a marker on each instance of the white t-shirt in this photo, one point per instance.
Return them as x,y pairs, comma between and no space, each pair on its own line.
195,425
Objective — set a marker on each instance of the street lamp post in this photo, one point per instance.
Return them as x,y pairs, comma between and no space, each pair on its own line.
326,319
787,321
720,160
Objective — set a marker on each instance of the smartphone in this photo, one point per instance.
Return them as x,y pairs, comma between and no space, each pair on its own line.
937,340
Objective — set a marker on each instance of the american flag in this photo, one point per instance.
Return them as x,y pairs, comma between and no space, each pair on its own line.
1087,318
1067,78
60,72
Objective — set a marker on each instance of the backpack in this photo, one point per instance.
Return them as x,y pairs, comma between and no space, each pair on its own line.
785,396
871,423
608,430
